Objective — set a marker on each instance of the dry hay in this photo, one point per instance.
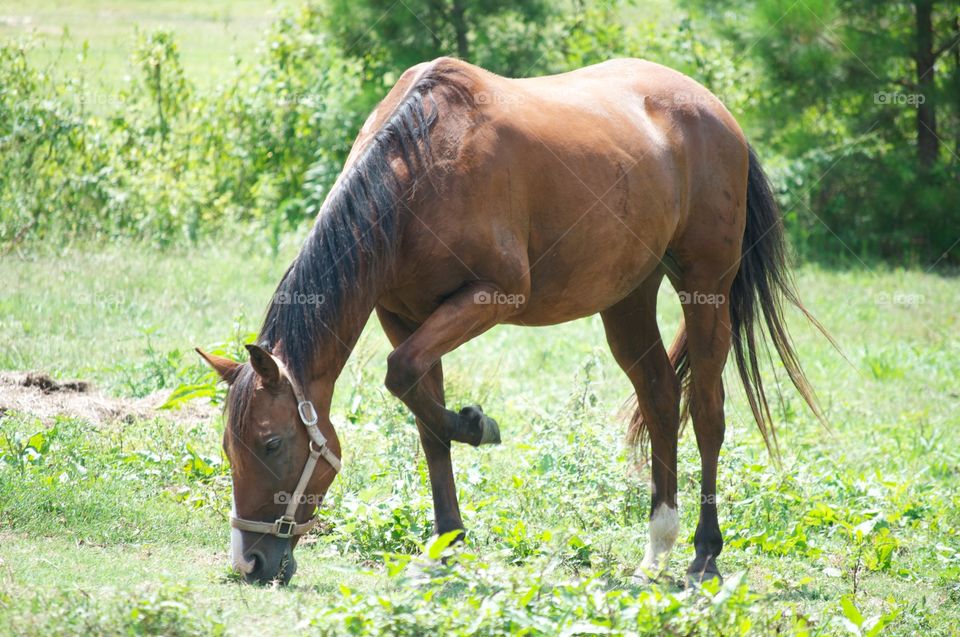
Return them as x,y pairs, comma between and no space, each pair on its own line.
40,396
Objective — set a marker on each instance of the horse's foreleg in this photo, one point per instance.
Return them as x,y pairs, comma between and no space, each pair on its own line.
467,313
436,448
415,375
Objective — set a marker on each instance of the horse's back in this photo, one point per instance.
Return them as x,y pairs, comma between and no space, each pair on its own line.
614,162
590,175
623,124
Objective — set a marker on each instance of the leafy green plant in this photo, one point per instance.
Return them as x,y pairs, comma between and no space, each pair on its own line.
170,163
160,610
18,449
197,380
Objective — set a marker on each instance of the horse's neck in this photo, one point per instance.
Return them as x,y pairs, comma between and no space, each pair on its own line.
373,277
343,331
329,358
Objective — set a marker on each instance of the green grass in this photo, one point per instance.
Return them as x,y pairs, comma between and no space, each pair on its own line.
211,34
122,526
108,315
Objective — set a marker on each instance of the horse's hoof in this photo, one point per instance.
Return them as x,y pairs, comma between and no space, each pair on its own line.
698,574
482,429
491,431
645,577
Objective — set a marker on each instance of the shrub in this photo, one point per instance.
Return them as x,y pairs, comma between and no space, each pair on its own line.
168,162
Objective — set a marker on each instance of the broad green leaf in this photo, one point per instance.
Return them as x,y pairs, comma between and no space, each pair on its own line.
438,545
186,393
850,611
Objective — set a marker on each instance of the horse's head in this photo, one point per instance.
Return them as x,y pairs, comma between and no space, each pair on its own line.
283,459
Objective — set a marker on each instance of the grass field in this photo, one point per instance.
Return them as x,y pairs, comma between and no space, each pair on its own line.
211,35
122,526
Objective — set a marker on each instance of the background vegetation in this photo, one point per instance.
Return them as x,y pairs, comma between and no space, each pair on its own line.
855,106
155,181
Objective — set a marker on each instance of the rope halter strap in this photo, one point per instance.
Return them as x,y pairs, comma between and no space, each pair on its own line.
286,525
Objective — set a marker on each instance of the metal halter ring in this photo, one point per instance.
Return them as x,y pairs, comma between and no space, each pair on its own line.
285,527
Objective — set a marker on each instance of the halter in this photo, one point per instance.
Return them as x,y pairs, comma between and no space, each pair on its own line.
286,525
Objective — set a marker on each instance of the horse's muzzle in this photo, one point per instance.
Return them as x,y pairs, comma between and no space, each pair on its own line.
267,569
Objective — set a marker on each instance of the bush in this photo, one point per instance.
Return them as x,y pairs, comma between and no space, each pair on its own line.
168,163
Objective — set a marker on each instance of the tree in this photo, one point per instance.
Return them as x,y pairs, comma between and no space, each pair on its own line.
392,35
878,80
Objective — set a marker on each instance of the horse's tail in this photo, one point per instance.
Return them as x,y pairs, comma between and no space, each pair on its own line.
637,431
762,284
759,290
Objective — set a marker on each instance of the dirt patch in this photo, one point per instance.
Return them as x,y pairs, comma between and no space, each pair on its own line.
41,396
47,385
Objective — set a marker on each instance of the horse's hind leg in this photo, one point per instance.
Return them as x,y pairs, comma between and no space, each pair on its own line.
707,319
634,338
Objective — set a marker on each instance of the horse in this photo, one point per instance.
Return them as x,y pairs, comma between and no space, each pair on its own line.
470,200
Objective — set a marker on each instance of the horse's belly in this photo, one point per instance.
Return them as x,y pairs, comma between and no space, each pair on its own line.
573,281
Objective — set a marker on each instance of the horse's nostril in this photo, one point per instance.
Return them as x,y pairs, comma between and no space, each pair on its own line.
258,560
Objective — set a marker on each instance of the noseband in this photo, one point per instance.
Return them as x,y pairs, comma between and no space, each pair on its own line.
286,525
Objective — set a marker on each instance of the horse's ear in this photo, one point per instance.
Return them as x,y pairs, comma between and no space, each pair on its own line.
224,366
264,364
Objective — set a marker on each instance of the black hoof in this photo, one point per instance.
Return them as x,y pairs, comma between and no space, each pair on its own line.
477,428
702,570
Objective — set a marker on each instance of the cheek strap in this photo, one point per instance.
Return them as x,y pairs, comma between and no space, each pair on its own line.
286,525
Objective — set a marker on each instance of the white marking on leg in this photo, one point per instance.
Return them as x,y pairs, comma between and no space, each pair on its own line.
664,529
239,562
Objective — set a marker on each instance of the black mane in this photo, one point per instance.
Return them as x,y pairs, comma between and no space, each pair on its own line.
354,239
353,242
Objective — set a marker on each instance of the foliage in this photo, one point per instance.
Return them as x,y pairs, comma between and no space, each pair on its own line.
468,595
167,162
117,485
829,91
165,610
836,541
861,118
509,37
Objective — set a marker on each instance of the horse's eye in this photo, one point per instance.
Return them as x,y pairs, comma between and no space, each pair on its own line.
273,444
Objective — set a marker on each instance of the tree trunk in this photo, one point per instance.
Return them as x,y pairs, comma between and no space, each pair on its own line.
458,18
956,86
928,145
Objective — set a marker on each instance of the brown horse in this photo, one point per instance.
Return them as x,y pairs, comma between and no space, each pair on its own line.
470,200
